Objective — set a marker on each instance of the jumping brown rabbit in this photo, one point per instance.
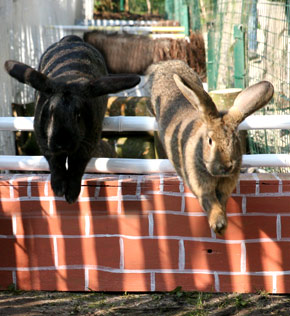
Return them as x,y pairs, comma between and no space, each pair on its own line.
202,143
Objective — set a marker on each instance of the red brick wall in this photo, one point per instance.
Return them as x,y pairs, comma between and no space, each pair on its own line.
143,233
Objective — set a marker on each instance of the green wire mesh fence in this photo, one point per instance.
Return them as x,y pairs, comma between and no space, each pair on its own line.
249,41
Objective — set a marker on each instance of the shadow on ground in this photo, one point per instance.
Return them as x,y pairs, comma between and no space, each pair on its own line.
177,303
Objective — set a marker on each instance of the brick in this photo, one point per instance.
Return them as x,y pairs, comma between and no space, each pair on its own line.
192,205
129,188
247,183
250,227
150,185
285,226
188,281
283,284
54,225
245,283
268,204
268,183
6,226
59,280
234,204
5,279
26,252
88,191
39,189
150,254
101,251
285,178
268,256
93,207
212,256
129,225
153,202
32,207
181,225
5,191
108,191
119,282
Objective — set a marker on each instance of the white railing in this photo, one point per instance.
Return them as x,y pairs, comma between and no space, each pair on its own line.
146,123
140,166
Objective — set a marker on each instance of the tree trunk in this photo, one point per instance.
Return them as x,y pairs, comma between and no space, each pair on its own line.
149,8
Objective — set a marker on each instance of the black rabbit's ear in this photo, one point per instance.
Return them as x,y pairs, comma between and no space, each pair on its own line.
112,84
250,100
198,98
28,75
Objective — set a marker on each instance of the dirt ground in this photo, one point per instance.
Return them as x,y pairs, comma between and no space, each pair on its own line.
177,303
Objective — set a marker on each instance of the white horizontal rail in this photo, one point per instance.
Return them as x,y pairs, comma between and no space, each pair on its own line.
146,123
134,166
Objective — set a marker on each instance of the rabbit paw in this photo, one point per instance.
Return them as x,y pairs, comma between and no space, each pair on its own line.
72,191
58,185
218,221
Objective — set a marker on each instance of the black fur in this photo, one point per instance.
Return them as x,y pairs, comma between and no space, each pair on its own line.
72,84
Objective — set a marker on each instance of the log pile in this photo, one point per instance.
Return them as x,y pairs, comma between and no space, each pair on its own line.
134,53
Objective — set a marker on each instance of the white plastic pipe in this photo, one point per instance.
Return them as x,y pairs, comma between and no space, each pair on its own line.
134,166
146,123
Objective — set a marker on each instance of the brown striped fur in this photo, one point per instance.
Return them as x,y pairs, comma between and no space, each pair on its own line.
71,85
201,142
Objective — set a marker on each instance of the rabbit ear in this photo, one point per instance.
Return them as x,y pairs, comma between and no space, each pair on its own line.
28,75
112,84
250,100
198,98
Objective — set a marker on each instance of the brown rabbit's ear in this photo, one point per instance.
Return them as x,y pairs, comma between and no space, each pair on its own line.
28,75
198,98
250,100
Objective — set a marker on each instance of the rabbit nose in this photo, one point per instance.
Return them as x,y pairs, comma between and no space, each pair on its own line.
228,166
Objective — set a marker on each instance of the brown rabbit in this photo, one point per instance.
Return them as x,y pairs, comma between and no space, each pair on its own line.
202,143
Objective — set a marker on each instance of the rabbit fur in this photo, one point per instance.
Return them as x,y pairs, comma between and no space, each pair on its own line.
71,86
202,143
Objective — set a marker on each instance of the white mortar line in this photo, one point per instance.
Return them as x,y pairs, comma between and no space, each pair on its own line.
14,279
274,290
87,279
29,179
14,225
55,251
121,242
151,224
280,185
257,184
138,185
152,281
278,227
161,183
243,257
244,205
181,257
216,282
11,187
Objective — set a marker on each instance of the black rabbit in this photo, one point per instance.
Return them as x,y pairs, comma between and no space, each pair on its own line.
72,84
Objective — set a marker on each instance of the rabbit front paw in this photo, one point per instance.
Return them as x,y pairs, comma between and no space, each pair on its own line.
58,185
217,221
72,191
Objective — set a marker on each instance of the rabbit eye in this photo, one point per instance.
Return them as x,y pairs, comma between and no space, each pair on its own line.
210,141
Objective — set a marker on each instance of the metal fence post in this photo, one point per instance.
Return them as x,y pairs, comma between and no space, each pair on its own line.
169,9
239,57
211,60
